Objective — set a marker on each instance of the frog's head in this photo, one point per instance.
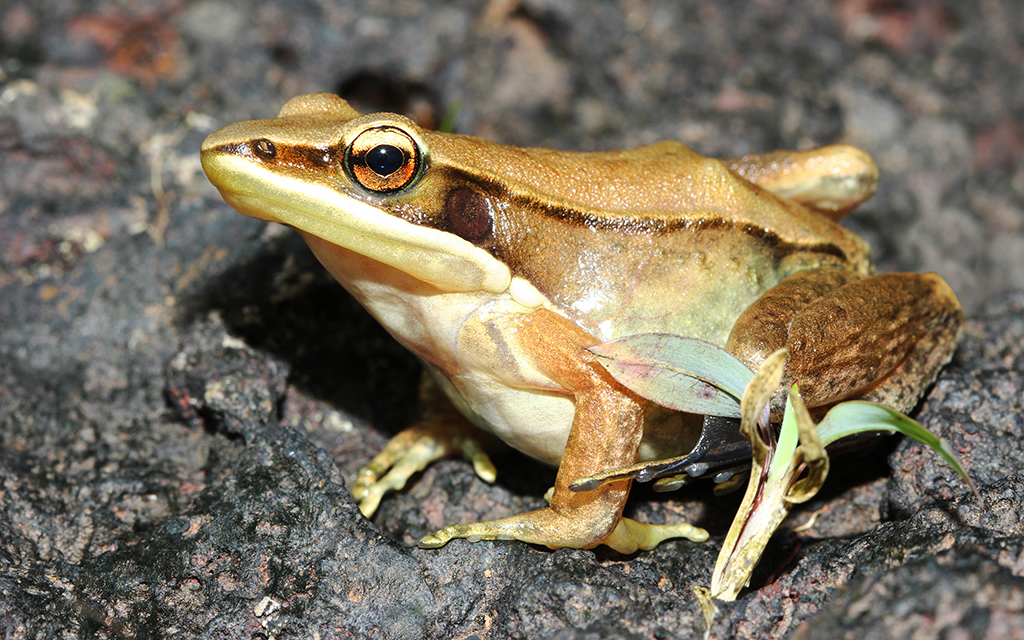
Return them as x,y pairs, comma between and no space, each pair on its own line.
354,181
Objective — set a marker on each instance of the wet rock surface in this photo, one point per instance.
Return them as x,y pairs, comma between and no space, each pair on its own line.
184,394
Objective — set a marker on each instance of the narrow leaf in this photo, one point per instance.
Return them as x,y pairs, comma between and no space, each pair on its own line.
858,416
809,459
684,374
763,506
789,435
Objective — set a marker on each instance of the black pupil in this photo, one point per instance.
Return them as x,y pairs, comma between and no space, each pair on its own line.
385,159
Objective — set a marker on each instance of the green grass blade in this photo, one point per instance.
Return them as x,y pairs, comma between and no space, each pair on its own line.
858,416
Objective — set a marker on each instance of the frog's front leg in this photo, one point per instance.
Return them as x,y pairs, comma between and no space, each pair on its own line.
606,432
882,338
441,432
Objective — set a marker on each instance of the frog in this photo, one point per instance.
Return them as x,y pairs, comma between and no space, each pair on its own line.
498,266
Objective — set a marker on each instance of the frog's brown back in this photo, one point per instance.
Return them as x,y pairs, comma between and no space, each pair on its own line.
656,187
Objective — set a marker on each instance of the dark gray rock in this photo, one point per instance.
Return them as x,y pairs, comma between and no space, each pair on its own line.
184,393
978,407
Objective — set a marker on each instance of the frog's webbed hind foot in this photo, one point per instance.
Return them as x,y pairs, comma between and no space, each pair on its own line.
831,180
411,450
721,453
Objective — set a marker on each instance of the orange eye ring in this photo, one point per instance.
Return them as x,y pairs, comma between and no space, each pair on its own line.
383,159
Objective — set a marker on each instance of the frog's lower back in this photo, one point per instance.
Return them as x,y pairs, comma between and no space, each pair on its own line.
684,282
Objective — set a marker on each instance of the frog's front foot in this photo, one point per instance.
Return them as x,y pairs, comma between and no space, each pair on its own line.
410,451
551,529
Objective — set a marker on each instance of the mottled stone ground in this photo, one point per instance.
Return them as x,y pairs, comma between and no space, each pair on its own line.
184,394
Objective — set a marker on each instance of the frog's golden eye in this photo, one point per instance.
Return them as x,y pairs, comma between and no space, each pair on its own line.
383,159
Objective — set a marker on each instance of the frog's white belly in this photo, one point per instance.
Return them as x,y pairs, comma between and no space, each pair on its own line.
466,340
537,422
487,376
534,422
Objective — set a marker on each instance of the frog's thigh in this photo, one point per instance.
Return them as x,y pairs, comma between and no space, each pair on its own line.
606,432
763,327
883,338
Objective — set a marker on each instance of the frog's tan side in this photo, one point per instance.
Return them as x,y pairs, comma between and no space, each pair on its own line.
497,265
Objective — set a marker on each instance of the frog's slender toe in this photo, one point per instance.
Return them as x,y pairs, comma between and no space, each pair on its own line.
482,465
630,536
452,531
409,452
533,526
433,541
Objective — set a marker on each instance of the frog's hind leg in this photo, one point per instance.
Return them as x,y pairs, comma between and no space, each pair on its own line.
882,338
941,330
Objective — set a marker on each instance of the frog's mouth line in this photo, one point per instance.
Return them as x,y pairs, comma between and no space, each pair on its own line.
442,259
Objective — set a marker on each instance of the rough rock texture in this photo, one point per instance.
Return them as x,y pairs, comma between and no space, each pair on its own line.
184,394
